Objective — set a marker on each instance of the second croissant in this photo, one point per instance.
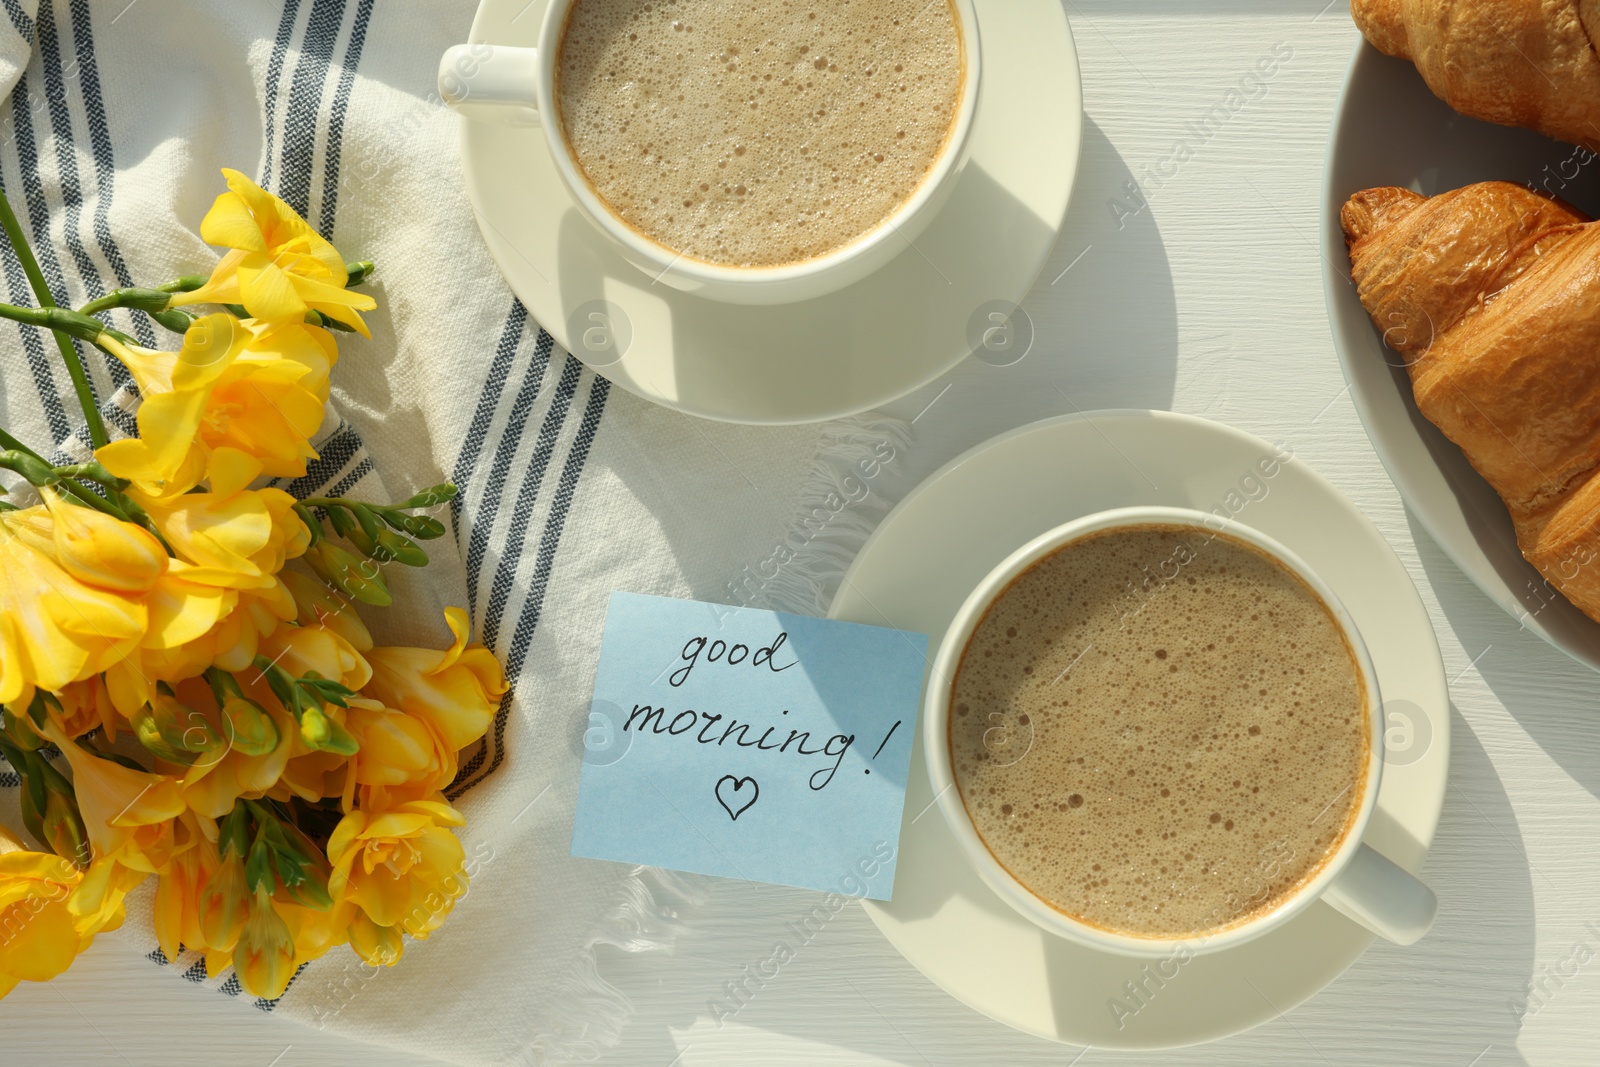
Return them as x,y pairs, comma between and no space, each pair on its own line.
1491,294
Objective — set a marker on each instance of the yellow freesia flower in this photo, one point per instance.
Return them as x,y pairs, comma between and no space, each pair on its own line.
239,399
39,937
402,866
55,628
177,904
97,902
103,551
315,932
279,268
129,814
175,386
85,705
314,773
456,692
400,754
264,955
237,540
46,917
222,594
302,649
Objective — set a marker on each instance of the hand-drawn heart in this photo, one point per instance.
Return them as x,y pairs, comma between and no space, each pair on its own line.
735,786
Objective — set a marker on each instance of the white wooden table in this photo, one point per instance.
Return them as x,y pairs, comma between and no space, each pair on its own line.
1206,300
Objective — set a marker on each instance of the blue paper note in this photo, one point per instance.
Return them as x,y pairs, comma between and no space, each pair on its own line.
749,744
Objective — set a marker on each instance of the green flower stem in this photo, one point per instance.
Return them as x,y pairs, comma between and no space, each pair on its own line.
41,291
151,300
185,284
64,320
93,472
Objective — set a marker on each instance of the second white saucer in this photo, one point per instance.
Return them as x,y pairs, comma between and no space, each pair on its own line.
934,548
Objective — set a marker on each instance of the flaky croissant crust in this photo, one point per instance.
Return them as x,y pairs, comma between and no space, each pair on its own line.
1491,294
1531,63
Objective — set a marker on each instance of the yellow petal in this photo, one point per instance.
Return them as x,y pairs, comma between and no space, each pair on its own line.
230,224
182,611
210,346
231,470
42,942
268,293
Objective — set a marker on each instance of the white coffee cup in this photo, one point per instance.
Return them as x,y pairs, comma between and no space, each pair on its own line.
516,86
1357,880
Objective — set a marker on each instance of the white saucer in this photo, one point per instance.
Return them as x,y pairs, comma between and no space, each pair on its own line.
1390,129
848,352
941,540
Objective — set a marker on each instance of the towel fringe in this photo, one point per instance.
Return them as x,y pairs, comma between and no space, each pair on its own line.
645,920
841,503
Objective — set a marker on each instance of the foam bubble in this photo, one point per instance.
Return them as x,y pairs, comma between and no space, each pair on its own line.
753,133
1191,767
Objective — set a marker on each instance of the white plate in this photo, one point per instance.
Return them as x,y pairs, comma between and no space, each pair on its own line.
847,352
941,540
1391,130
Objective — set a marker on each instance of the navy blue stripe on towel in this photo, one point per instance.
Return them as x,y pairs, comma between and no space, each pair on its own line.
493,750
504,355
527,495
280,48
505,450
305,103
341,104
66,149
105,167
19,20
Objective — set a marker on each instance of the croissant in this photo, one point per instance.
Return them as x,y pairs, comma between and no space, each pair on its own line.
1526,63
1491,295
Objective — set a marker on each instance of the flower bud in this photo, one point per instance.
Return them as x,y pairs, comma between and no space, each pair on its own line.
18,729
344,571
63,830
50,811
422,527
264,955
323,733
224,903
401,549
311,891
252,731
102,551
150,736
181,726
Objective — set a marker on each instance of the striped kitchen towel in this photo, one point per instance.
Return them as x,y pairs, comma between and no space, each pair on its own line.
118,117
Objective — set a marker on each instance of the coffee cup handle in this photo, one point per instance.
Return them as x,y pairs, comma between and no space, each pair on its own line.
1384,897
491,83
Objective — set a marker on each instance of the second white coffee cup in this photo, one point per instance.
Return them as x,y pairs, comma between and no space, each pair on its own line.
1357,880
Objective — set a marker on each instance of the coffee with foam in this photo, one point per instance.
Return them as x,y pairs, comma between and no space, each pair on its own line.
758,134
1159,731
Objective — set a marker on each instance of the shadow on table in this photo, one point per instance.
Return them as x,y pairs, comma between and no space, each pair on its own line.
1524,672
1104,318
1108,315
1454,995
